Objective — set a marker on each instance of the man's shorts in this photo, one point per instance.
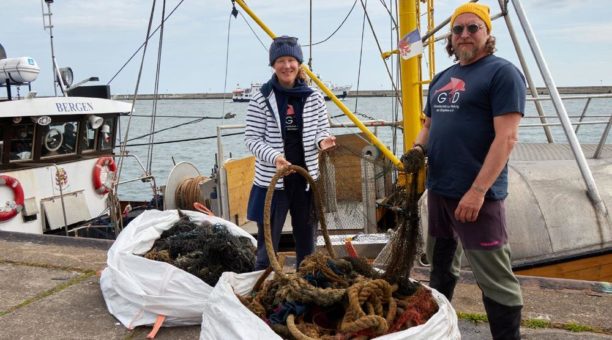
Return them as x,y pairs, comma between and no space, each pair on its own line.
488,232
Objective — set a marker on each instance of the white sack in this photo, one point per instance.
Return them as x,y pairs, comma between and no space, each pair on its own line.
225,317
137,290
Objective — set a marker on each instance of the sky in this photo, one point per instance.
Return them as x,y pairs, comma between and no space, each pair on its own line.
95,38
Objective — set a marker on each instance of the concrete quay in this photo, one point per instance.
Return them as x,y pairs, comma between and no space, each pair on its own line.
49,289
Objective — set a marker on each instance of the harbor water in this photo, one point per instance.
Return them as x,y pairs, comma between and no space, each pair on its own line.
196,121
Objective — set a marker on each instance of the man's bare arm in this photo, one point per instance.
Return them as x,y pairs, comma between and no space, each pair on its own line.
506,136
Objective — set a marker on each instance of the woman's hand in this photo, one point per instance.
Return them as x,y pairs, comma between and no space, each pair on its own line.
281,164
328,143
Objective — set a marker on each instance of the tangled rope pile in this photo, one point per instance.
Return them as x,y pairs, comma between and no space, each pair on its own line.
204,250
329,298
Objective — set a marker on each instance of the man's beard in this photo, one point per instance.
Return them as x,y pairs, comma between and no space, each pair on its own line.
466,54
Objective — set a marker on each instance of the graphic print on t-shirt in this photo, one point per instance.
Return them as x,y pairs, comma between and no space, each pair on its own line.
290,121
446,97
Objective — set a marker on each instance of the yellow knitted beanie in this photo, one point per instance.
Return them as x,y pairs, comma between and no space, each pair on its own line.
481,11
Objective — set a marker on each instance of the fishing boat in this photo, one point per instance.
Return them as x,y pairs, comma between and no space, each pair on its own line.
55,153
57,159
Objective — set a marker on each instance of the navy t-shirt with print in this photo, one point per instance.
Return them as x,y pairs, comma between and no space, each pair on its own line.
462,102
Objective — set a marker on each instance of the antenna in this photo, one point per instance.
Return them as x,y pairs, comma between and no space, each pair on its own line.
57,79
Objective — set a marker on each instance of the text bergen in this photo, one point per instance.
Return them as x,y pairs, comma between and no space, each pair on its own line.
74,107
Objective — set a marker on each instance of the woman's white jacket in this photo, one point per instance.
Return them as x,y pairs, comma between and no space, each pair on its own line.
264,139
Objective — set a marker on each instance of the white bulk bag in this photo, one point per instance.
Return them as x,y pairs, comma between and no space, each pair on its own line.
137,290
225,317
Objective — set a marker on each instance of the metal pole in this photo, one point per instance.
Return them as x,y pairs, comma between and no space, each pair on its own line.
528,77
604,136
50,27
584,111
558,103
221,194
310,45
412,93
62,200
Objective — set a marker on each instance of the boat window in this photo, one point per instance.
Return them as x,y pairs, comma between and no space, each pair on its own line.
105,139
22,142
1,142
59,138
89,138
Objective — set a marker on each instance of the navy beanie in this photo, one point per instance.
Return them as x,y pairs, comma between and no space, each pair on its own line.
285,46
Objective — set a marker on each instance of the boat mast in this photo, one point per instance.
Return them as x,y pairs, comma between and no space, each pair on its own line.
57,79
412,91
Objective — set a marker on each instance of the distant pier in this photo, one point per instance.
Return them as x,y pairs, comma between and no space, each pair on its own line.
352,93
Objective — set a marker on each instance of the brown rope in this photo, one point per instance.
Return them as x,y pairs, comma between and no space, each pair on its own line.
295,331
267,211
188,192
373,294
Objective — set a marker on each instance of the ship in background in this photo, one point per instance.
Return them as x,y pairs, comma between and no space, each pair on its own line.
241,94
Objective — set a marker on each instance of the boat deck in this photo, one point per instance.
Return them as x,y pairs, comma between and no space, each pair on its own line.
49,289
555,152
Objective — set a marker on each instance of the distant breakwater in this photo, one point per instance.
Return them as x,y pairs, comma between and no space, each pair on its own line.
361,93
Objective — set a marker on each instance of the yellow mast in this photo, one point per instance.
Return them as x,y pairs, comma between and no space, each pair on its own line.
411,75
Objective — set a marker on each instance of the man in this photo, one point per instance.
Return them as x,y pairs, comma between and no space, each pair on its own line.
473,112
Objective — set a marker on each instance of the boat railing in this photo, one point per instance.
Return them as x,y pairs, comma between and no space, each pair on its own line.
144,178
223,201
607,121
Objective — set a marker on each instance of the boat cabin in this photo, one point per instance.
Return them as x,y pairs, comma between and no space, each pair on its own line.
56,153
63,131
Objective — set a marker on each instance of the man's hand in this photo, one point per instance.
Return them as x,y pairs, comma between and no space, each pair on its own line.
413,160
328,143
469,205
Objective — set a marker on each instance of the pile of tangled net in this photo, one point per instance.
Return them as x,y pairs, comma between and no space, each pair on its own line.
338,299
205,250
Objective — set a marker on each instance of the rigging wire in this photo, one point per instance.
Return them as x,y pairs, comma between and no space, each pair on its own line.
233,13
165,129
127,130
360,54
156,91
337,29
184,140
252,30
381,51
389,11
149,36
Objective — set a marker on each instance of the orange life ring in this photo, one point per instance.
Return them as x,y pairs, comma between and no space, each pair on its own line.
102,187
17,205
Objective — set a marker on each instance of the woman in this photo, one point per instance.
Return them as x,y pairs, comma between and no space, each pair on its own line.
286,124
